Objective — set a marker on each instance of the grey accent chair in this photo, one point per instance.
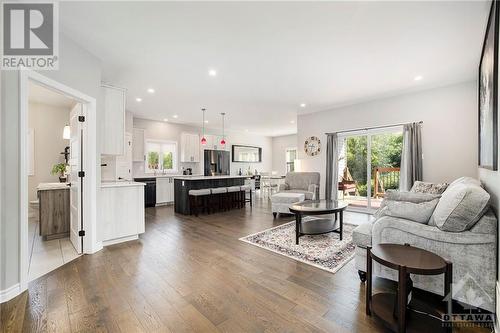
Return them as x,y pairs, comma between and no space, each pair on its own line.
472,249
302,182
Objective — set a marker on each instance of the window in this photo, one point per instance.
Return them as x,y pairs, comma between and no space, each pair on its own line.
161,156
291,156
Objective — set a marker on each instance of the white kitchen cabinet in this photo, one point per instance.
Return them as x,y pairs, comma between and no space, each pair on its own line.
138,145
190,147
113,127
123,212
164,190
124,162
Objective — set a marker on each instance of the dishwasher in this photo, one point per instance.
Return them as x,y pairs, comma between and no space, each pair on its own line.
149,191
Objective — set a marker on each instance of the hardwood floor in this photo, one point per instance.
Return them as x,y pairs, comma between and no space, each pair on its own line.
190,274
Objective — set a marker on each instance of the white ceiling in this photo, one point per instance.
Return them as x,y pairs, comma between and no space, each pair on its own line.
42,95
272,56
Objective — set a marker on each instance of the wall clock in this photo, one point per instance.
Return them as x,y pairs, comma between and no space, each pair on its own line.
312,146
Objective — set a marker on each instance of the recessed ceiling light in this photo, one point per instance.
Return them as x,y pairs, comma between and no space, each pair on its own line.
175,116
212,72
165,119
418,78
206,121
151,91
292,121
138,99
303,105
246,130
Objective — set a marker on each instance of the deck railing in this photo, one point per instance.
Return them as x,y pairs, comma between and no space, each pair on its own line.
385,178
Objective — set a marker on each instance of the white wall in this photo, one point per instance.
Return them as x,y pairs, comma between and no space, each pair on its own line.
48,122
77,69
159,130
449,134
280,145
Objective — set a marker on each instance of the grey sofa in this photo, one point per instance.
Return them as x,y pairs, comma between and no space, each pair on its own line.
302,182
468,241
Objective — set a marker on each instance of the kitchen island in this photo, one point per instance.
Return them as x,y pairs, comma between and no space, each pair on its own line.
183,184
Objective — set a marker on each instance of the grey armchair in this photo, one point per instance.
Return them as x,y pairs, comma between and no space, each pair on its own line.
302,182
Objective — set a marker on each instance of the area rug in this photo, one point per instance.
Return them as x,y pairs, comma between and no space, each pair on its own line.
323,251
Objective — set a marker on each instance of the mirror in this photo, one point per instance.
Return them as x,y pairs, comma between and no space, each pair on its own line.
247,154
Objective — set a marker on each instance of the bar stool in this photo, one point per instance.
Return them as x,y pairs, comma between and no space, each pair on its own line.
197,200
234,193
219,194
245,189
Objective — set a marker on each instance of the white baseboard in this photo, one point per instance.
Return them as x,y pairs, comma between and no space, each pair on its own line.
10,293
119,240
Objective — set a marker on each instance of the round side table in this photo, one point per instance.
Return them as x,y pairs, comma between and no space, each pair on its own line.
392,310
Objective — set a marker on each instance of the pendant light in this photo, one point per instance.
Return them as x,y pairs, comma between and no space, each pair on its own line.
223,141
203,140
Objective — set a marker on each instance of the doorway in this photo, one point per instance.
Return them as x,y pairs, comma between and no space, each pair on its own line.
369,165
79,158
53,144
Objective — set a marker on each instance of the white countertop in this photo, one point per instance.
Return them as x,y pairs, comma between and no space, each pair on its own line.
52,186
165,176
209,177
121,183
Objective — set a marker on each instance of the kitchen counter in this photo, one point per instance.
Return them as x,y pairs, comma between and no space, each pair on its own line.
122,217
121,184
209,177
52,186
183,184
165,176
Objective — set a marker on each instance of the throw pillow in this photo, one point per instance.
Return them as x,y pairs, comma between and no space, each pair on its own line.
417,212
460,207
431,188
415,197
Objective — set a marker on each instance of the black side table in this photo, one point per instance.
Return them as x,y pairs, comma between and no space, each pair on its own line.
392,310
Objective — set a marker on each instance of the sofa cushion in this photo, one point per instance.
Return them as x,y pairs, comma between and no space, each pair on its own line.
415,197
287,197
460,207
308,195
301,180
432,188
417,212
362,235
465,181
487,224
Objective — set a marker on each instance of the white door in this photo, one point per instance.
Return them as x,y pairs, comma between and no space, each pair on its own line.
75,144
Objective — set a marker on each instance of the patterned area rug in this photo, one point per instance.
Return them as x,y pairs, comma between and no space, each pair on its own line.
323,251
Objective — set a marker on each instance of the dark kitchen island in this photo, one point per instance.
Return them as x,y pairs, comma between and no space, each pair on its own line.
182,185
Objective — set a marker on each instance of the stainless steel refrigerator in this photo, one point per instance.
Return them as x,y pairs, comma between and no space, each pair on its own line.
216,163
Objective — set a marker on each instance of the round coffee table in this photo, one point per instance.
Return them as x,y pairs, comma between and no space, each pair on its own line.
392,309
318,226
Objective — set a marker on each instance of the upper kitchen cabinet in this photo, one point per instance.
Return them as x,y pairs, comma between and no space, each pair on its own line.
113,138
138,145
190,147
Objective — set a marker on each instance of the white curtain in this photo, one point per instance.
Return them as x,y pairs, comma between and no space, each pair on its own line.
411,156
332,167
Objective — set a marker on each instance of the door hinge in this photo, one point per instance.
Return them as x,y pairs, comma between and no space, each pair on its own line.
81,119
81,174
81,233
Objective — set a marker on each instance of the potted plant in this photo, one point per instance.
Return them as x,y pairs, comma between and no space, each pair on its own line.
60,169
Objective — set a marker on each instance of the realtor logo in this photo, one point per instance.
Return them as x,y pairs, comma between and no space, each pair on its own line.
30,35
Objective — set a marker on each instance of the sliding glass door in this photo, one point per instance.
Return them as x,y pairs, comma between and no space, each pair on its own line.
369,165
